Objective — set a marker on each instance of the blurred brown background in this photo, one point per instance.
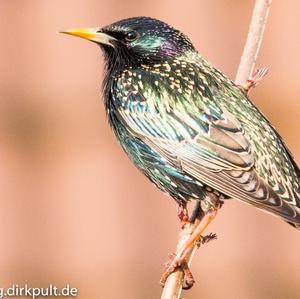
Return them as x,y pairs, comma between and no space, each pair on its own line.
74,209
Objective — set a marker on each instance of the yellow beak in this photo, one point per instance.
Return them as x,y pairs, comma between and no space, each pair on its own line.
92,34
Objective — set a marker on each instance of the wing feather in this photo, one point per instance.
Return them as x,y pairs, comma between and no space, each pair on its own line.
207,144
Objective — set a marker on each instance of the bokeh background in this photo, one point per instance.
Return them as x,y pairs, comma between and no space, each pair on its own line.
74,209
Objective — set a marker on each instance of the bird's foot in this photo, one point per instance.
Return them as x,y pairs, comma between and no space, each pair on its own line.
182,255
174,263
171,265
254,78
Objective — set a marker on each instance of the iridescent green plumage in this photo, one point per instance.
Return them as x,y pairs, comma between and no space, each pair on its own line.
198,122
189,128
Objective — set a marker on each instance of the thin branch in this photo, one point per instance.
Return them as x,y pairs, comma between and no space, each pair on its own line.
173,286
254,40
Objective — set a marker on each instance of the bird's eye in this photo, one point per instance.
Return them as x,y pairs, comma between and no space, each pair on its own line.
131,36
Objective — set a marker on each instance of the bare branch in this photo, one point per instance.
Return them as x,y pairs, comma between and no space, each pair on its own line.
254,40
173,286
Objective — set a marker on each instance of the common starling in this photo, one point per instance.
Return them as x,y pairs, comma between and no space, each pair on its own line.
192,131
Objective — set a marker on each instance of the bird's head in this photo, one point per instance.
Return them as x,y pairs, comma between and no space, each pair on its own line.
134,41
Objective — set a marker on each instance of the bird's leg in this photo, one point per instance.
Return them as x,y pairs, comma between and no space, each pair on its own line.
197,213
186,228
187,225
179,259
201,221
253,80
182,213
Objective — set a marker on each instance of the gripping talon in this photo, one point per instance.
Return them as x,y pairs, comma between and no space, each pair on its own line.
180,258
188,276
170,267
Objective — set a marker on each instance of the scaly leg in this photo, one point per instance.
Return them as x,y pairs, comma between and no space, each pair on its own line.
180,258
183,215
187,224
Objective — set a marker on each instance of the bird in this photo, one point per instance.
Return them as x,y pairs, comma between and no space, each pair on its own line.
188,128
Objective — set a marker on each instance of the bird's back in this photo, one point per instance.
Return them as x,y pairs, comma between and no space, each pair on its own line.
154,108
273,161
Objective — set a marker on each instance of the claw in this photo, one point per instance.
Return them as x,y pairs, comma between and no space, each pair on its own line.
188,276
171,265
182,254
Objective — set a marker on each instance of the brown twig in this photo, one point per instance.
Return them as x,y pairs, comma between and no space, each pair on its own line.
173,285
